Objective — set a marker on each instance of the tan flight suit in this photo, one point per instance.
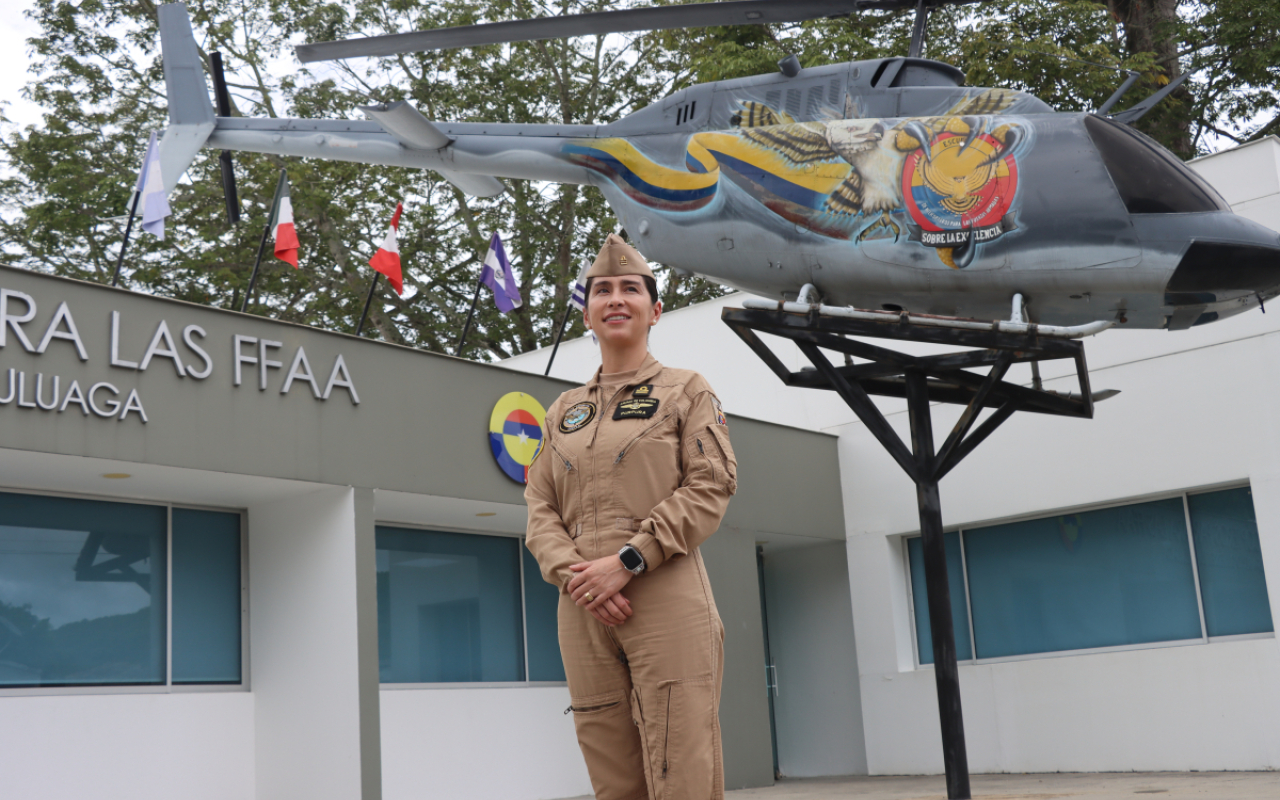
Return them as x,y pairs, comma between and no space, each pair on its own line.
645,694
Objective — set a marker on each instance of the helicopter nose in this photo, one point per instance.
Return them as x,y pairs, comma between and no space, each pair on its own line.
1210,266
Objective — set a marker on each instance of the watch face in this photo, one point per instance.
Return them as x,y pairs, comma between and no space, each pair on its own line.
630,558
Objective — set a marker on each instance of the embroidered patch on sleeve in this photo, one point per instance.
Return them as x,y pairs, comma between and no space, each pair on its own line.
720,420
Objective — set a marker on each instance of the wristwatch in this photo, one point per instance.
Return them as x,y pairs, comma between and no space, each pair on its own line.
632,561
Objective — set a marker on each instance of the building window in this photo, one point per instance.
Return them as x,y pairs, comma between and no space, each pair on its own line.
206,597
1183,569
463,608
85,594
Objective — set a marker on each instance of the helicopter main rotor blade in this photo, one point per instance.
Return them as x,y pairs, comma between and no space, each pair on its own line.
653,18
896,5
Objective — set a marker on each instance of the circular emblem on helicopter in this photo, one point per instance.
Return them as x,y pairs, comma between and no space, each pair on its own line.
958,193
515,434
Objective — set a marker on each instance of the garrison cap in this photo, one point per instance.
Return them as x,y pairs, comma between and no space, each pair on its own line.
618,258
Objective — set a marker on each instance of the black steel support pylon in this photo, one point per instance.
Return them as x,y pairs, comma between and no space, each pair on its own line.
922,380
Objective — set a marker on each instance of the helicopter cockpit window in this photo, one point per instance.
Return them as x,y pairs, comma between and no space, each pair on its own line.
1150,179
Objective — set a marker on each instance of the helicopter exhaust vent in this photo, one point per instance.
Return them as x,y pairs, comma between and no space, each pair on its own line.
813,102
833,92
793,102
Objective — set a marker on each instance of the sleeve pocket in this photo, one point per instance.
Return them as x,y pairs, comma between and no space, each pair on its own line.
723,452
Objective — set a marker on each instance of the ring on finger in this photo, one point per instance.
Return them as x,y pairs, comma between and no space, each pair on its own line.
589,597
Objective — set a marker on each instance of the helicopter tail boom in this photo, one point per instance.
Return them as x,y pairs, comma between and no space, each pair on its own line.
472,161
191,118
416,132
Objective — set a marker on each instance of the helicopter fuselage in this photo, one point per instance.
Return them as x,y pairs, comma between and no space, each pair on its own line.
885,184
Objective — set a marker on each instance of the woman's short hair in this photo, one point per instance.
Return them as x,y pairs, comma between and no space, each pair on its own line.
649,283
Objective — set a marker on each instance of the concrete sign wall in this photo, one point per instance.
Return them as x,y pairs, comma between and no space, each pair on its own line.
93,371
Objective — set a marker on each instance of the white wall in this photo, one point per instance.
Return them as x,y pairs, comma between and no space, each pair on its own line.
197,746
818,709
480,744
313,646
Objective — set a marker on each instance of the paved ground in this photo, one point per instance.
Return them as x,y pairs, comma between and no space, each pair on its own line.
1088,786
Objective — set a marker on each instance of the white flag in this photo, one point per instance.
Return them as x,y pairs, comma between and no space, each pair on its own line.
153,200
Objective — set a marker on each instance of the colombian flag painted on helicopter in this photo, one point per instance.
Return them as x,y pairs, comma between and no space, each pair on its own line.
646,181
769,173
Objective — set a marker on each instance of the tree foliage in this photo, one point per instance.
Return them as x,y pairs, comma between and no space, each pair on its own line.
97,75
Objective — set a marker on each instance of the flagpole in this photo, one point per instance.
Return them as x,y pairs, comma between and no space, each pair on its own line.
470,314
275,205
368,301
563,324
133,209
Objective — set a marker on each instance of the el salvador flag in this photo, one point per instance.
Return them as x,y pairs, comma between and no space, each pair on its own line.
497,276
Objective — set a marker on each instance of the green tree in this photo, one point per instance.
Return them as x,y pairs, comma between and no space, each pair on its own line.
100,81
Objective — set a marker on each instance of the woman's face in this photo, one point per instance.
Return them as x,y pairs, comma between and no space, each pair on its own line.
619,310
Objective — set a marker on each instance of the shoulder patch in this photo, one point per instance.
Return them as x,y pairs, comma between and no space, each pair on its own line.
720,420
577,416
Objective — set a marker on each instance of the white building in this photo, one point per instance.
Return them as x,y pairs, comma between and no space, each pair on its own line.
1093,656
247,559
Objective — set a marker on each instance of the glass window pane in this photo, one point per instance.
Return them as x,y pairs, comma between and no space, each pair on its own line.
1103,578
1229,559
920,598
540,602
449,607
82,592
206,596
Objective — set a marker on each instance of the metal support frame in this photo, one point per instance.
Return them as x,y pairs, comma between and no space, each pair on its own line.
922,380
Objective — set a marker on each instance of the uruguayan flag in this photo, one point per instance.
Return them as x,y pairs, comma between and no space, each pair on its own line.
578,290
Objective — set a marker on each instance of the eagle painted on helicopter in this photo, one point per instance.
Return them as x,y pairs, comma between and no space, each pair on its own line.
884,183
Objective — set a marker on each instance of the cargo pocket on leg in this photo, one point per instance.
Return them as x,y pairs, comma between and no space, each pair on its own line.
689,739
609,744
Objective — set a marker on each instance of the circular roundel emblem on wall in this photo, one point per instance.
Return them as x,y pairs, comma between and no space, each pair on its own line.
515,433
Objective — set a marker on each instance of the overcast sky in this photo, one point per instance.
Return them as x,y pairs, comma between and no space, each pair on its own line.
14,30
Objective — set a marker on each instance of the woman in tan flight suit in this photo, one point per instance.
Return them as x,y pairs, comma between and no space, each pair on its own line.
635,472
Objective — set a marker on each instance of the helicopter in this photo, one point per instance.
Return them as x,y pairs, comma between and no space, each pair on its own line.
884,184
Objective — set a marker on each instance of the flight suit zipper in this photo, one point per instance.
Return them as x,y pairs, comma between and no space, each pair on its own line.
584,709
568,465
643,434
666,734
710,463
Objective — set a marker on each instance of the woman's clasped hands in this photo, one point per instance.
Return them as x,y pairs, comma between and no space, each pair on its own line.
597,586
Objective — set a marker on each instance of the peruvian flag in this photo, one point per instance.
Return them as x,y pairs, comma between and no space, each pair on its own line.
387,259
286,236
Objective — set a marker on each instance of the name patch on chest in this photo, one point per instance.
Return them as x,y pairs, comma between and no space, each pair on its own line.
636,408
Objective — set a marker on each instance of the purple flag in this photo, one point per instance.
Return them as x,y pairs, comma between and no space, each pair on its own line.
498,277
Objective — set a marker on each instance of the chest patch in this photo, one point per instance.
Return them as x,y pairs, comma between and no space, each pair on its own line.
577,416
636,408
643,391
